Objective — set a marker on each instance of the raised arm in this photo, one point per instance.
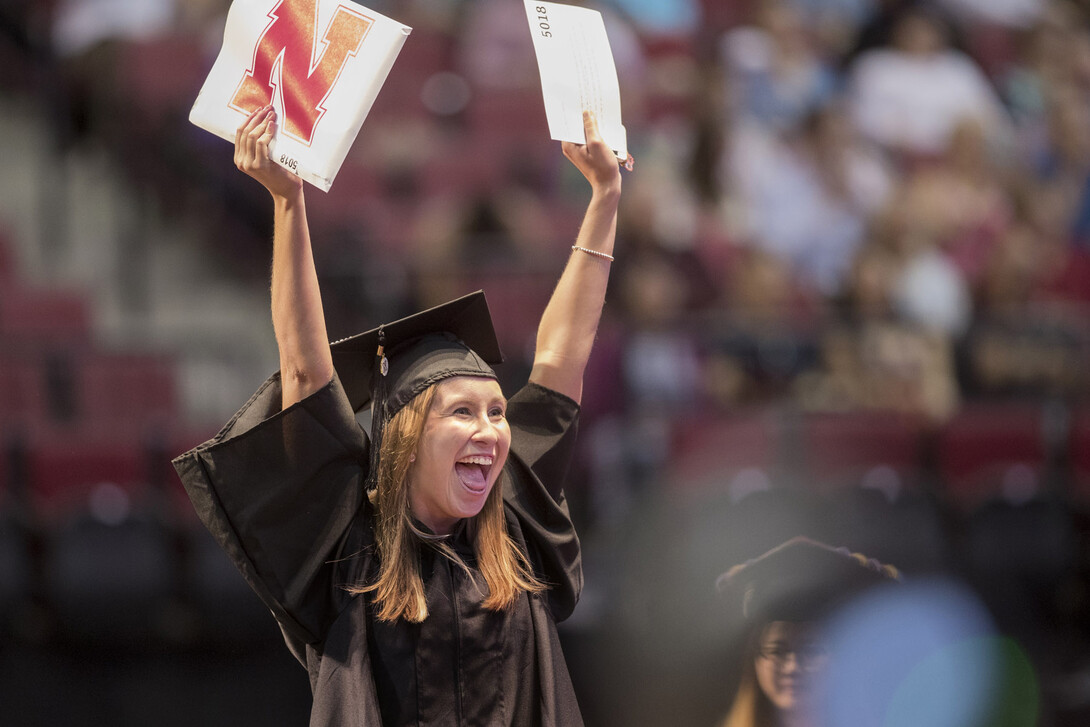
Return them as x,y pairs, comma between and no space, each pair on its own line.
570,323
306,364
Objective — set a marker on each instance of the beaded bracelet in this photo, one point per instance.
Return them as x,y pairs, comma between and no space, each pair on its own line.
595,253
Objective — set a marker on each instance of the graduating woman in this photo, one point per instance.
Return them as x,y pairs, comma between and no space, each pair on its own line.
417,573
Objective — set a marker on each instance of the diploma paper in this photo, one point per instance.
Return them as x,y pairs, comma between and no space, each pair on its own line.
320,63
577,72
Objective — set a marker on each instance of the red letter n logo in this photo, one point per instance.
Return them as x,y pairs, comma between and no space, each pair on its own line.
290,55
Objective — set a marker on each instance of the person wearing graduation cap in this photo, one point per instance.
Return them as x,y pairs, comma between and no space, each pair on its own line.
782,597
417,573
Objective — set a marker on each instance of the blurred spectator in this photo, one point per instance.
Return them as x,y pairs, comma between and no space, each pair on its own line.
1029,334
992,30
776,76
1034,265
709,118
939,231
885,366
1062,169
762,334
959,201
654,377
931,293
891,352
909,95
1011,278
809,197
835,23
1051,59
656,355
1028,356
663,209
86,39
660,363
659,359
493,228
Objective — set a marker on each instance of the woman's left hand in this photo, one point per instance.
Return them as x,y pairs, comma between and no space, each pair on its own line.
594,159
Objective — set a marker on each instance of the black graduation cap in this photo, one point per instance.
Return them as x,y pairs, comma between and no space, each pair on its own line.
800,580
388,366
453,339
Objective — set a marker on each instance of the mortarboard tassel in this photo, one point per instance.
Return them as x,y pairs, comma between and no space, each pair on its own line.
378,408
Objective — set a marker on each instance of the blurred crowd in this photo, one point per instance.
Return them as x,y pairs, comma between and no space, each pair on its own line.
897,188
878,207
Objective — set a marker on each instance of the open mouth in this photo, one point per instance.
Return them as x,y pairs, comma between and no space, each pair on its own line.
473,472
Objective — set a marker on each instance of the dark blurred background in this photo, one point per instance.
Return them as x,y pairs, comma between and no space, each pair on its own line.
850,301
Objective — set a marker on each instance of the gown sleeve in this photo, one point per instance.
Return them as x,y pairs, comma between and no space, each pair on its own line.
544,424
282,493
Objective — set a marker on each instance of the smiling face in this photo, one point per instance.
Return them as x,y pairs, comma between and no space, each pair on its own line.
461,452
788,661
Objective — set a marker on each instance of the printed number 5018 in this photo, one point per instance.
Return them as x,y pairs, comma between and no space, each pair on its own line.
543,21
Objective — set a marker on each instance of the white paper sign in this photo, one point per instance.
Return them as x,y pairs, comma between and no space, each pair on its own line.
320,63
577,72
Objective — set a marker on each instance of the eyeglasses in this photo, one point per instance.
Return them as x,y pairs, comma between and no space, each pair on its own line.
808,657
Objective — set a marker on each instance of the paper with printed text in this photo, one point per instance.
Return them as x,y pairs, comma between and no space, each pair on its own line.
577,72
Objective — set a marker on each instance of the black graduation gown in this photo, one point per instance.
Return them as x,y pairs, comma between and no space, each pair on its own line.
282,492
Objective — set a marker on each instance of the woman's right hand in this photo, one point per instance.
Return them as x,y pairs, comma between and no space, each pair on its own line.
252,154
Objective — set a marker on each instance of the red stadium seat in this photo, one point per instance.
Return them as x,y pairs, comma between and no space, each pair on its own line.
992,450
710,452
125,394
23,399
39,314
62,471
842,449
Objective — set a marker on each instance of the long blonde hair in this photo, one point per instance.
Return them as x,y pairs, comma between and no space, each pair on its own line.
399,588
